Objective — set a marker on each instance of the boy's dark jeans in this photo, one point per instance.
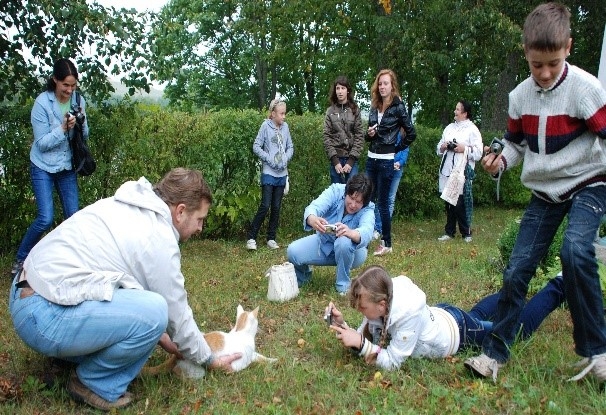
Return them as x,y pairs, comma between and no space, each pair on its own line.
581,280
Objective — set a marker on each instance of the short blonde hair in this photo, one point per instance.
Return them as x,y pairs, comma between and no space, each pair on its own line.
274,104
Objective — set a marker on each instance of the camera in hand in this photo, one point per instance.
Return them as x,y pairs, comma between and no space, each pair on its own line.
452,144
77,112
328,317
496,146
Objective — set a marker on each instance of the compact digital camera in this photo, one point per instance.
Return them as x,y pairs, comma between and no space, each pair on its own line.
328,317
330,228
452,145
496,146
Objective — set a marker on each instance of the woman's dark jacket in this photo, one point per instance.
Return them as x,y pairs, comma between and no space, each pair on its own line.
394,118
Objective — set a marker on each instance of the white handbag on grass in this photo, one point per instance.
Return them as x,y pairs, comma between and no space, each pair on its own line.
456,181
282,282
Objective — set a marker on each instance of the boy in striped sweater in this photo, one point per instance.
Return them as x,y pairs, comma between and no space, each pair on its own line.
556,127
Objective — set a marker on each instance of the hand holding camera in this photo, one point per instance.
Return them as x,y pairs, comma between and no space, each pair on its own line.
452,145
496,146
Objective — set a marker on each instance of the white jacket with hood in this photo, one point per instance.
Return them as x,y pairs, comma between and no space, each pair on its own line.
125,241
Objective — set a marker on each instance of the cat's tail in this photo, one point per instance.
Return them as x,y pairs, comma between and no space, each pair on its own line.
166,367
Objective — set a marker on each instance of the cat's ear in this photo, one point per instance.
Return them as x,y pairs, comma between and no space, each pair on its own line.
255,312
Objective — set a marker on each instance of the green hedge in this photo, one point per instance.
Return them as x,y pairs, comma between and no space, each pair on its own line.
131,140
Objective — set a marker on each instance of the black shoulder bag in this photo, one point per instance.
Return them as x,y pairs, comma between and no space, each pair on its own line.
83,162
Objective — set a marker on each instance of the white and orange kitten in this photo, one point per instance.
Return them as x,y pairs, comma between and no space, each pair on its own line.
241,339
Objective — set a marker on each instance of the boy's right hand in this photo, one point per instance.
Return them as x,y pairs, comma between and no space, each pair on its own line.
491,162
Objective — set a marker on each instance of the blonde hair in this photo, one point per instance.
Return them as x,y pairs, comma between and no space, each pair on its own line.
376,283
274,104
376,99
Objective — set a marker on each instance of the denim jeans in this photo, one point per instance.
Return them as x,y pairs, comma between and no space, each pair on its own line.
336,178
306,251
477,323
109,340
393,190
271,197
579,266
66,184
381,174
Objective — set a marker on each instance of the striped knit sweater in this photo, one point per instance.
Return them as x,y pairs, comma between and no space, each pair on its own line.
559,134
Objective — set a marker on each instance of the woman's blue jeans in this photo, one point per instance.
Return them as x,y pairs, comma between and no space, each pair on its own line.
393,191
381,174
579,266
66,184
109,340
336,178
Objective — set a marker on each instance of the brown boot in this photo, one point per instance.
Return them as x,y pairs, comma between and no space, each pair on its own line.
81,393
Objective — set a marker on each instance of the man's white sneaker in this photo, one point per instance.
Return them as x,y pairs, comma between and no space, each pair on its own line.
483,366
595,364
251,245
468,239
444,238
271,244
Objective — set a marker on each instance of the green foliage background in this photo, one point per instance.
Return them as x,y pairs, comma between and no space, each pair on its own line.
133,140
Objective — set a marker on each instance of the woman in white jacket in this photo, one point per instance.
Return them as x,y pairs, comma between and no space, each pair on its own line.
398,323
458,136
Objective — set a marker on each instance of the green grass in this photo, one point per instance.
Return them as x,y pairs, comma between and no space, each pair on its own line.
319,376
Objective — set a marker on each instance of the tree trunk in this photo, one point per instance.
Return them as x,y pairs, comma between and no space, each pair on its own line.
495,100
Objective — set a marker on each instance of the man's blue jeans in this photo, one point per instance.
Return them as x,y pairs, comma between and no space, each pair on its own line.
306,251
336,178
393,191
109,340
579,266
381,174
66,184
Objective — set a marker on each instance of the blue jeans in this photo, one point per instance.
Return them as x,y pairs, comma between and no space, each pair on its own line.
109,340
579,266
66,184
381,174
271,198
336,178
393,190
306,251
477,323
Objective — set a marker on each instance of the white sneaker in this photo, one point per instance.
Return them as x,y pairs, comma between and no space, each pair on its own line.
382,249
483,366
251,245
376,235
467,239
444,238
595,364
271,244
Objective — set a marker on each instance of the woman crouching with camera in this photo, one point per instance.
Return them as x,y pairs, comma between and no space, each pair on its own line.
458,136
53,119
399,324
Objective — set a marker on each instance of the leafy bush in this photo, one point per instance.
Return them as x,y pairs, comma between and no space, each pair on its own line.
551,259
132,140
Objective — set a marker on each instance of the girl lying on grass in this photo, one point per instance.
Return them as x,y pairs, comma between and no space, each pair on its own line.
398,323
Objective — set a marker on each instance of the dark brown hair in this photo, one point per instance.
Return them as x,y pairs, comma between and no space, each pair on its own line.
343,81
